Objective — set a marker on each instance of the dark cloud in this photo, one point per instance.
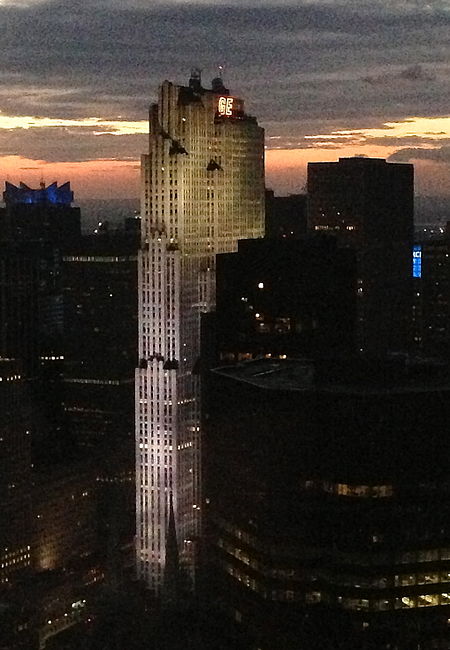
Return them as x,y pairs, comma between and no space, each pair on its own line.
417,73
438,154
302,68
413,73
60,144
405,141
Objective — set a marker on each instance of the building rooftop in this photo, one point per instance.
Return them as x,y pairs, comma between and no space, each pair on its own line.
52,194
359,376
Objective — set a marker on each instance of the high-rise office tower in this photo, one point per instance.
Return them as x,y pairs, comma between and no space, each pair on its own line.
368,203
202,190
36,226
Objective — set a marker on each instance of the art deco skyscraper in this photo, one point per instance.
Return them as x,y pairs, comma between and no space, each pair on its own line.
202,190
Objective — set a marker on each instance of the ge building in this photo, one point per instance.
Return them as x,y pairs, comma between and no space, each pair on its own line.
202,190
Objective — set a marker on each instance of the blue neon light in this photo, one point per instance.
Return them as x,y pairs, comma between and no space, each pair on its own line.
417,261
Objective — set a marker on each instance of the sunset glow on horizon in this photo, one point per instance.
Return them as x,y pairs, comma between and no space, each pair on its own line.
285,164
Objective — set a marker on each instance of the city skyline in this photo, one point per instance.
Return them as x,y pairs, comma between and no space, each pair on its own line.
337,79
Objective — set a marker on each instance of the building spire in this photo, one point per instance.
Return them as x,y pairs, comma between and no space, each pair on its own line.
172,565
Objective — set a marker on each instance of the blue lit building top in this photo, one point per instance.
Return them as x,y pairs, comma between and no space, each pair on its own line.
52,194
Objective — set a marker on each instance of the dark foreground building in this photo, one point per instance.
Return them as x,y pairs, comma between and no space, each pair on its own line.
327,497
283,297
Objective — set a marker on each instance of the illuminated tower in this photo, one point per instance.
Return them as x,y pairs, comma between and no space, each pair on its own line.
202,191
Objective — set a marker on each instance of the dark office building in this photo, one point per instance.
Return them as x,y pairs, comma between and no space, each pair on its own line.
369,204
36,225
283,297
326,496
19,306
100,337
66,510
15,472
431,297
362,200
285,215
100,343
44,214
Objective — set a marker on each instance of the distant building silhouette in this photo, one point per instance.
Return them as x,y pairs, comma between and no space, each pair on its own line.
285,215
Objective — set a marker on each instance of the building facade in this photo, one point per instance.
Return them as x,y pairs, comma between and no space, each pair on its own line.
202,190
100,340
15,472
335,531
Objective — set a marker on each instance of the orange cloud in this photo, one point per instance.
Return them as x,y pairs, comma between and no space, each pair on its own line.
96,178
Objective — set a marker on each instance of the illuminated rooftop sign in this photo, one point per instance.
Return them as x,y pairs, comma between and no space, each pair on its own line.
225,106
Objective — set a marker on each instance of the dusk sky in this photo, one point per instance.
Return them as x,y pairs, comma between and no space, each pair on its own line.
325,79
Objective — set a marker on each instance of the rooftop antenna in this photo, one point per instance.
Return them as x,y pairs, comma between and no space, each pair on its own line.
217,82
195,81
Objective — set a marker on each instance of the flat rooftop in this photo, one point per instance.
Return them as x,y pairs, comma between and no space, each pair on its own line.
359,376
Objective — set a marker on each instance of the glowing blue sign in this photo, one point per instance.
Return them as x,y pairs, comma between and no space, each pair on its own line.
417,261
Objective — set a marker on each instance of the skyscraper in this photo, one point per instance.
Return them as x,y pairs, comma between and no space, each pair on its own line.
368,203
202,190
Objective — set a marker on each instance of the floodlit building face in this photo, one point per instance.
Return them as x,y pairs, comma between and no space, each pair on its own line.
202,190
